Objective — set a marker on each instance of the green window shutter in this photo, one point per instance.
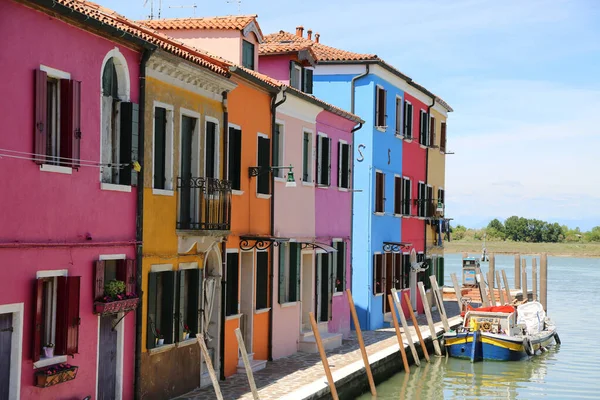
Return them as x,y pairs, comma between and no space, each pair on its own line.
151,327
211,146
160,140
294,272
194,300
235,158
298,271
282,254
232,298
129,142
264,150
168,306
305,156
440,271
307,81
262,280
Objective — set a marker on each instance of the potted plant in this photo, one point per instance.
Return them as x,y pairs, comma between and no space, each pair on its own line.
186,332
160,339
48,350
115,299
55,374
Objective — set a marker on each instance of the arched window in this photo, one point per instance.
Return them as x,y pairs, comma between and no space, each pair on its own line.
119,122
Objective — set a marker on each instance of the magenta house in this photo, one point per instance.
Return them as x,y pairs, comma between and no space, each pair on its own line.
68,220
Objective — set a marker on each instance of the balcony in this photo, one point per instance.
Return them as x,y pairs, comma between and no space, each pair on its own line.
203,204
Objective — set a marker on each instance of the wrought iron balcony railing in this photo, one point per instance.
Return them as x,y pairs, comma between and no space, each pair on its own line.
204,204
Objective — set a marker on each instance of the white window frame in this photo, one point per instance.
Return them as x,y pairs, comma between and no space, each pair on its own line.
384,127
16,351
311,157
234,192
214,120
399,118
169,155
412,136
323,185
279,174
297,69
260,195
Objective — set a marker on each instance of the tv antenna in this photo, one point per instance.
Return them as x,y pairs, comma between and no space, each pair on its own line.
193,6
239,4
151,16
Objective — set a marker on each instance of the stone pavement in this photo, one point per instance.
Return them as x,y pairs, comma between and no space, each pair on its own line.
288,374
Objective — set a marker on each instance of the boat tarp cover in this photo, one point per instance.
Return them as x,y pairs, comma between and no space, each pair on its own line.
532,315
497,309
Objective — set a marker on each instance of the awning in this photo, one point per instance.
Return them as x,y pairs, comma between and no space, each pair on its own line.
317,245
395,247
260,242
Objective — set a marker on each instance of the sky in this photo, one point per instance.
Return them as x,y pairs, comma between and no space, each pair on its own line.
523,78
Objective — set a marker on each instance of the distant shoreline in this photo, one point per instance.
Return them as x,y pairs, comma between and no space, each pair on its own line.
583,250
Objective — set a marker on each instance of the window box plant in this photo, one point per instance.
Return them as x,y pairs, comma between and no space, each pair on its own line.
115,300
55,374
186,332
160,339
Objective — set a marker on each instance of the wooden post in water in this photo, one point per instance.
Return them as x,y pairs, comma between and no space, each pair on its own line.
491,288
317,334
457,291
242,347
411,342
398,334
492,269
500,292
416,325
436,345
506,287
544,280
485,300
534,284
524,280
465,255
361,343
209,366
517,271
439,301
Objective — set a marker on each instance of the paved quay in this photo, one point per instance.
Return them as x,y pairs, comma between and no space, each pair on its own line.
301,375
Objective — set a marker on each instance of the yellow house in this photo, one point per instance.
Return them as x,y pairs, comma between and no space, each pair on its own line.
186,219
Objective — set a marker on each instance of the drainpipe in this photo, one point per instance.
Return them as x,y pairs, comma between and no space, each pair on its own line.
352,107
224,242
426,176
274,106
139,224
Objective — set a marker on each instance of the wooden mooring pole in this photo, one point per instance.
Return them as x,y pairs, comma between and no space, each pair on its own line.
534,284
436,345
209,366
524,280
544,280
439,301
317,334
398,334
492,269
500,291
416,325
506,287
517,271
361,343
409,337
242,347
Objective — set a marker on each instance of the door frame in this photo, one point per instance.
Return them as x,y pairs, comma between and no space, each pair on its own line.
307,281
249,287
16,348
120,328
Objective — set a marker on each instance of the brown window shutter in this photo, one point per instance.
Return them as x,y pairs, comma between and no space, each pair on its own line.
443,137
432,132
126,273
377,106
397,195
70,130
99,279
39,319
41,79
379,192
73,320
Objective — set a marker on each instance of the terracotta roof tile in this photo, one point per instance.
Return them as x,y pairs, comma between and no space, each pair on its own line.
112,18
235,22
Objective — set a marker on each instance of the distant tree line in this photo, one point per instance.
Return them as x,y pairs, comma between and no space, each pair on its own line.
519,229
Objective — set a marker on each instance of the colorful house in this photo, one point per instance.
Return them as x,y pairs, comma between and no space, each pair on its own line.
384,97
68,230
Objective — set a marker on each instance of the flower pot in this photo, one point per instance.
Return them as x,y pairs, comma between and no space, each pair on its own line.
48,352
160,342
186,336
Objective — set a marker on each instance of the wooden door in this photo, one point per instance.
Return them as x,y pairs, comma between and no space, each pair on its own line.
323,288
6,331
107,363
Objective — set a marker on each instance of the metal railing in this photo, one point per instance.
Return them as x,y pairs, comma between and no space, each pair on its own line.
204,204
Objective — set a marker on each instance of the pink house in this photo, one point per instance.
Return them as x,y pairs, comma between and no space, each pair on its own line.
68,224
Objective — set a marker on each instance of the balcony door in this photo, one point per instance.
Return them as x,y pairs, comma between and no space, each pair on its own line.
190,188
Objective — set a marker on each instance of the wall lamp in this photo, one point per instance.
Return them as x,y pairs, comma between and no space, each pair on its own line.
257,171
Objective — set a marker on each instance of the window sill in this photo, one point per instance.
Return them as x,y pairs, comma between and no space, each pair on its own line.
338,294
408,139
401,137
380,128
262,310
398,215
187,342
263,196
232,317
380,213
343,189
115,188
161,349
290,304
422,146
56,169
308,184
237,192
322,186
163,192
378,294
279,179
44,362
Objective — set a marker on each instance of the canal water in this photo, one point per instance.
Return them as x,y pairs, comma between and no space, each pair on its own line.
568,371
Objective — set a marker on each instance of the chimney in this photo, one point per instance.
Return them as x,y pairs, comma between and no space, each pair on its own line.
309,34
317,36
299,30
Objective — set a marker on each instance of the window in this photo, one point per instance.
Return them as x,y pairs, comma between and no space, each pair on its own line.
323,160
380,109
234,168
295,75
278,153
378,273
262,280
232,298
405,281
408,119
398,272
289,273
119,129
421,200
443,137
163,145
429,201
307,157
56,315
431,141
399,116
189,302
264,150
212,151
107,270
398,182
161,308
57,119
441,200
423,129
247,54
388,278
307,80
340,266
344,165
379,192
406,196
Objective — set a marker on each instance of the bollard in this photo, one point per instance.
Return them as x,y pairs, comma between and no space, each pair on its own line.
544,280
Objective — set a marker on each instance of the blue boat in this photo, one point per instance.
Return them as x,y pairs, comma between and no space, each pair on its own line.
502,333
